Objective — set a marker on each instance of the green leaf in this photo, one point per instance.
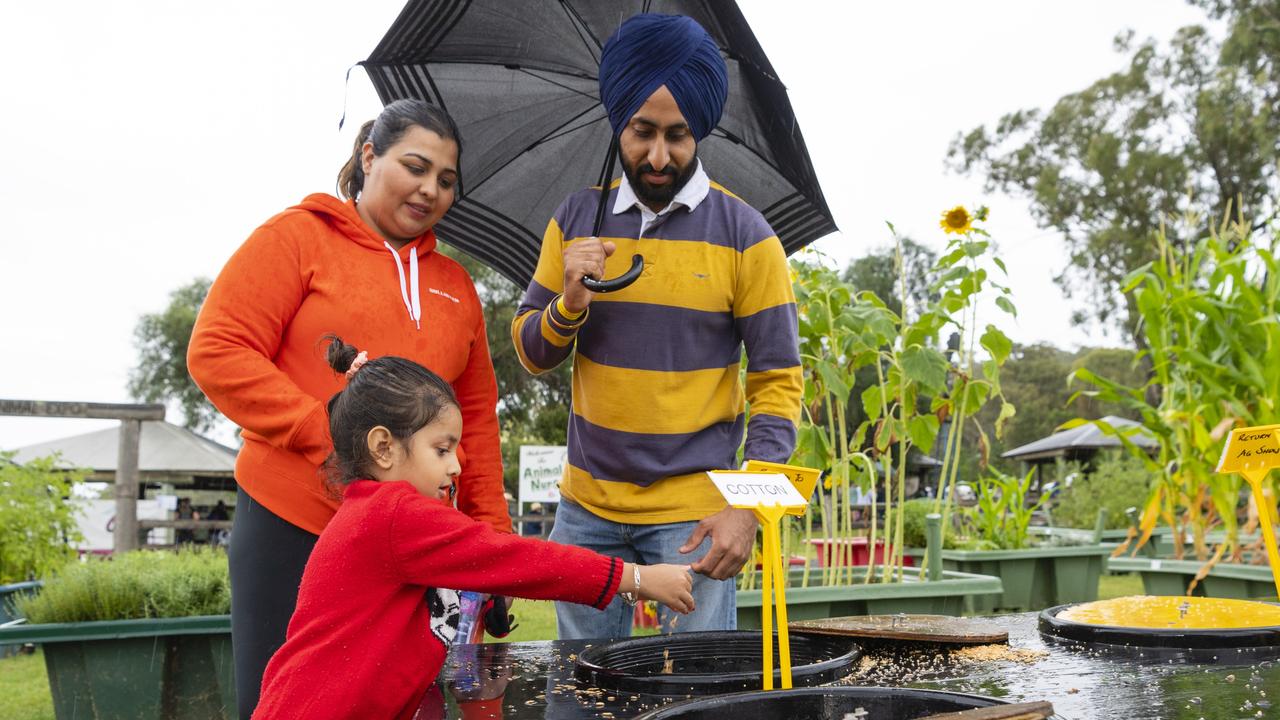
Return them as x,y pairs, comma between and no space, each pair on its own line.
974,396
950,259
834,381
1134,279
1004,304
996,343
991,372
872,401
1007,411
923,432
820,317
925,366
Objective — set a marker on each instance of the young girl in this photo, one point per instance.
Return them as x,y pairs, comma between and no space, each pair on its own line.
375,617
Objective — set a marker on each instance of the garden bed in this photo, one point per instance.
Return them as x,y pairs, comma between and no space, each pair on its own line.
9,595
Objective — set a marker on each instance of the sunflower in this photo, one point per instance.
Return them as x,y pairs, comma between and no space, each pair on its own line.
957,220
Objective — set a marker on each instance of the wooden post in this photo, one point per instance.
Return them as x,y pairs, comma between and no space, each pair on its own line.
126,480
126,531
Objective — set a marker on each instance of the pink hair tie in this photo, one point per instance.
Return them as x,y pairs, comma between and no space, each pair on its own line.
358,363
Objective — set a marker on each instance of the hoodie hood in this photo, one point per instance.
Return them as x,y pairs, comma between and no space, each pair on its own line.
344,217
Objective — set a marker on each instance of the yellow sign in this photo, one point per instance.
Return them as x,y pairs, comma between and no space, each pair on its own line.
804,479
770,490
1248,449
1252,452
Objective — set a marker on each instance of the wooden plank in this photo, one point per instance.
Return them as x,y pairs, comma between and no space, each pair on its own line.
915,628
185,524
102,411
1020,711
126,487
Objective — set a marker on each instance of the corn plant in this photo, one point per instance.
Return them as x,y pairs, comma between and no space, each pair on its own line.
1208,319
1002,514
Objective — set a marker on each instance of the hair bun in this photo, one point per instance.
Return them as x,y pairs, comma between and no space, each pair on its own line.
340,355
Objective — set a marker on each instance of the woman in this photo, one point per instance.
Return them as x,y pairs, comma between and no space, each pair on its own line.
365,269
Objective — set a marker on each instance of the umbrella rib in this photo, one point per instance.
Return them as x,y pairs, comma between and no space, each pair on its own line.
551,135
548,80
580,25
568,131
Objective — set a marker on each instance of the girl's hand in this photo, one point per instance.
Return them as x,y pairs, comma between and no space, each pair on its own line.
671,585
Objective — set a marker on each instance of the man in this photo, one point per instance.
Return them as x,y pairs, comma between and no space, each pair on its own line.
657,399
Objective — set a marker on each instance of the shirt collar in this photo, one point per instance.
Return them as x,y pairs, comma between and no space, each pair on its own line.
690,196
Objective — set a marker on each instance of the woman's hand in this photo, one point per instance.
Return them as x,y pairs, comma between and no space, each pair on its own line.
671,585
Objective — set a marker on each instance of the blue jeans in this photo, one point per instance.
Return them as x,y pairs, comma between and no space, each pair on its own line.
716,603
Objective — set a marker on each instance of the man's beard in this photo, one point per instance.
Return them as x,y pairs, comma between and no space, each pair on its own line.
660,195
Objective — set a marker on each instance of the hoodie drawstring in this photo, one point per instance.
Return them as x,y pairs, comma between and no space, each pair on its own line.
412,303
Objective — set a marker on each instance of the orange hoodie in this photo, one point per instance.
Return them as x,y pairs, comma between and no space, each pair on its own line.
256,350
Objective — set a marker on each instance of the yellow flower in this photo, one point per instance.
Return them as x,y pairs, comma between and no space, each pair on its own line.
957,220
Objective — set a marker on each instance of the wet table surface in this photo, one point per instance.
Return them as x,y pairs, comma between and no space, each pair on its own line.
535,680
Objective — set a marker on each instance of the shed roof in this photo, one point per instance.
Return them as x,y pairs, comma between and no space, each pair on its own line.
163,448
1083,437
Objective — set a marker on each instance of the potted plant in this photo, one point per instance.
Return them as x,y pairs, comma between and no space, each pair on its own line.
1208,312
144,634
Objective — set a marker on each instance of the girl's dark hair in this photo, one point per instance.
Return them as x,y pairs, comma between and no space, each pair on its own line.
393,392
391,125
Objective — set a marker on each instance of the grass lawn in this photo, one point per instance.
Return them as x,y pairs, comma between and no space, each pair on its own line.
1114,586
537,621
24,689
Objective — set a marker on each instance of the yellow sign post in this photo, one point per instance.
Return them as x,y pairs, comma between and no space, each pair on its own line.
1252,452
769,491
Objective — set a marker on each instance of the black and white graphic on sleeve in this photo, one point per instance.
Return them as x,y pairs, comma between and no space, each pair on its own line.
445,614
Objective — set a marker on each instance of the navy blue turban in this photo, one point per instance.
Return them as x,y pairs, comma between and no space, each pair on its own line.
648,51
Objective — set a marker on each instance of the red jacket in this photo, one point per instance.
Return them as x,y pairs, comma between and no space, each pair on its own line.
256,351
365,640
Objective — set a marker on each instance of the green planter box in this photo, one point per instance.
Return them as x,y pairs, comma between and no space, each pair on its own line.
1225,580
946,596
1034,578
170,669
9,594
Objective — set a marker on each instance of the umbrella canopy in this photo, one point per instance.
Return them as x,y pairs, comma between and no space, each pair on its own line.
519,78
1083,437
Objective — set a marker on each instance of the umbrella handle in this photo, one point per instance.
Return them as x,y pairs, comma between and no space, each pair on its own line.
623,280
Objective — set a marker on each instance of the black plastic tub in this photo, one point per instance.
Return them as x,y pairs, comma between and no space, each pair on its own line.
823,703
707,663
1260,640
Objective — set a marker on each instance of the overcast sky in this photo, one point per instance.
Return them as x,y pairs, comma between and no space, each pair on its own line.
147,138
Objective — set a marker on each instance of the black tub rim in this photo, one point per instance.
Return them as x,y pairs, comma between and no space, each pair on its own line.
675,709
589,669
1050,624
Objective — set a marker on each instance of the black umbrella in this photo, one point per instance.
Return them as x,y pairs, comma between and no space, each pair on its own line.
519,78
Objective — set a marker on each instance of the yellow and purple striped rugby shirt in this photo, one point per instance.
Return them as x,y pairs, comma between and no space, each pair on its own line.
657,398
